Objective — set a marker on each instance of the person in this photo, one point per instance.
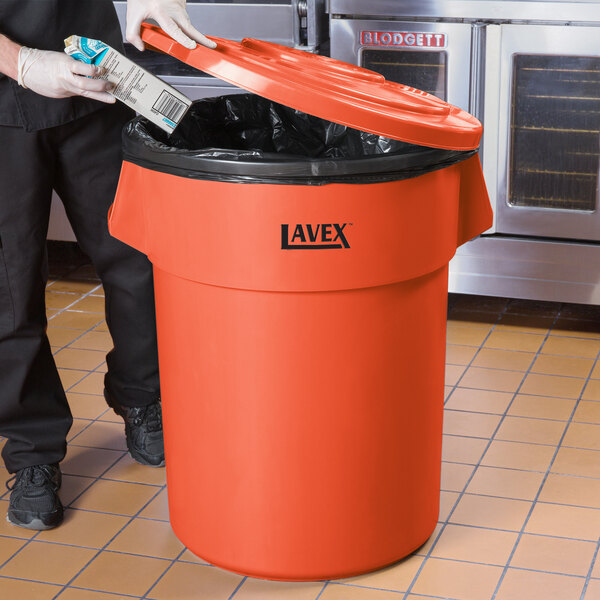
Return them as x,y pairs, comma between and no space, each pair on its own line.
61,129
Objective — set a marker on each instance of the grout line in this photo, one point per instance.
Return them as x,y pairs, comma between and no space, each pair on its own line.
240,584
492,437
173,561
590,571
99,552
541,487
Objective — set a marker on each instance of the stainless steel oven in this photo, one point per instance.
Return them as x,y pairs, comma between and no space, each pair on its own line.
548,151
530,70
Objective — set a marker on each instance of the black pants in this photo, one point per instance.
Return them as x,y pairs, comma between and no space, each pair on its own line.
81,161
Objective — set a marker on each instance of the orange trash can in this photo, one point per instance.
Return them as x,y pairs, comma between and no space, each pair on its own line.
301,313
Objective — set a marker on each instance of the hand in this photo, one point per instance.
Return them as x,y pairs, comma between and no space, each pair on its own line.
171,15
56,75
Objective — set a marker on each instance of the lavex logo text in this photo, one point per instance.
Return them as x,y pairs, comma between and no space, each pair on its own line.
323,236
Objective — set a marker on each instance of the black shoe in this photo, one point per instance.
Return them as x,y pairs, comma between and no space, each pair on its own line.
143,430
34,501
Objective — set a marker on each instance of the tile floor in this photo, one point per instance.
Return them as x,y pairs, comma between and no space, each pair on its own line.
520,510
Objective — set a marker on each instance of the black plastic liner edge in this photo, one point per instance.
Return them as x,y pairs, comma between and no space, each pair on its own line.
245,138
286,173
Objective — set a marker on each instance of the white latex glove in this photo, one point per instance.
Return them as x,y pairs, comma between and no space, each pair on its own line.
56,75
171,15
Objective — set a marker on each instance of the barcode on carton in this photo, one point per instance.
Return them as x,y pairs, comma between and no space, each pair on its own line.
169,106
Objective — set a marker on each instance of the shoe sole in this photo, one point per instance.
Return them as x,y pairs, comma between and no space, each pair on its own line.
36,524
142,461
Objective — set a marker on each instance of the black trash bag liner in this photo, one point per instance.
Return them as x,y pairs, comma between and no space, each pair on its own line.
245,138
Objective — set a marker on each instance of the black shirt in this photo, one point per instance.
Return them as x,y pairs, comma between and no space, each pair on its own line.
45,24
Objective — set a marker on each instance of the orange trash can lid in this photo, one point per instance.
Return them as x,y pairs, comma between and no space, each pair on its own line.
329,89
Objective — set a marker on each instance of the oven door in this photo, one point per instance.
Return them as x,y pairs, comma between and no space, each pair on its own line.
434,57
547,115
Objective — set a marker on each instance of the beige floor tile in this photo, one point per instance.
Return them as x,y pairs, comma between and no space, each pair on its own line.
506,483
542,407
470,424
562,365
158,508
587,411
564,521
335,591
474,544
455,476
593,590
188,556
492,379
51,313
86,406
79,594
73,285
571,347
94,340
463,449
8,529
453,374
535,431
8,547
48,563
447,502
486,511
257,589
539,586
84,528
102,326
91,462
517,455
55,300
103,368
447,391
115,497
129,470
426,547
92,304
596,371
77,427
511,360
61,337
552,385
70,377
596,569
121,573
484,401
510,340
148,538
186,580
574,461
459,355
582,435
397,577
71,319
73,486
576,491
462,581
26,590
85,360
100,434
592,390
554,555
465,336
92,384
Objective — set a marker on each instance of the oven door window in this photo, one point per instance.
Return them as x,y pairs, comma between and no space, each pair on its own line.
555,132
424,70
